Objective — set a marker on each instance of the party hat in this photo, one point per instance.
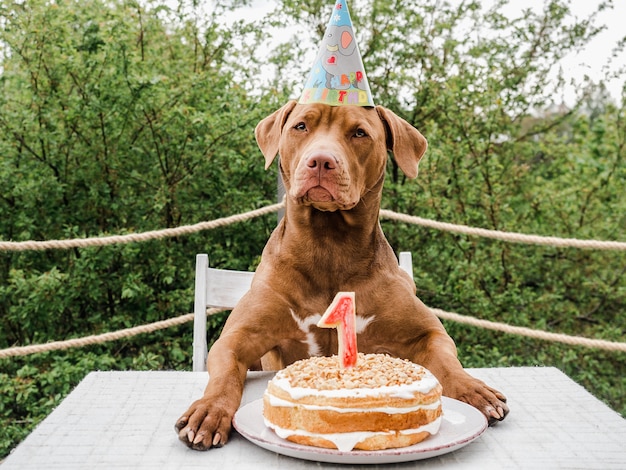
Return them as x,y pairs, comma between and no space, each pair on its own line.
338,76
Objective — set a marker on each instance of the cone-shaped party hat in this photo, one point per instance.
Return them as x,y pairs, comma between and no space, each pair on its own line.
338,76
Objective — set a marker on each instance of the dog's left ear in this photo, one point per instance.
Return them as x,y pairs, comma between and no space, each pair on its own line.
405,141
267,132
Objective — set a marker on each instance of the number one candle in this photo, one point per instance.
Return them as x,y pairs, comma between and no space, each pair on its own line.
341,314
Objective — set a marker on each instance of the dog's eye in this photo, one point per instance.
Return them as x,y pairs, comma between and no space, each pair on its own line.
360,133
300,126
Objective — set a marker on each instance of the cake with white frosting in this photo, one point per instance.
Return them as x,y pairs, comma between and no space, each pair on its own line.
382,402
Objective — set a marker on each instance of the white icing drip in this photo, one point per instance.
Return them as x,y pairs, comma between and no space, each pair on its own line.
406,391
275,401
346,441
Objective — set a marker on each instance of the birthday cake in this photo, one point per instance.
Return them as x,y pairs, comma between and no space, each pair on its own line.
381,402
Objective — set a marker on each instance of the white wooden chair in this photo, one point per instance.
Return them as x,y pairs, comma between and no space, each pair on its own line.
223,288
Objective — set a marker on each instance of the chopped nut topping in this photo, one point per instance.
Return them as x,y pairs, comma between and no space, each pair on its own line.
370,371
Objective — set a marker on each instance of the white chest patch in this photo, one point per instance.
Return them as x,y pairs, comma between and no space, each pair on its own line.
362,323
305,325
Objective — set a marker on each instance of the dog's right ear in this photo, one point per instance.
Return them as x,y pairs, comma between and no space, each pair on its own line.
268,132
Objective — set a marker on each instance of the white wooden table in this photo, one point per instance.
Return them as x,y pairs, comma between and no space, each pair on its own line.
125,420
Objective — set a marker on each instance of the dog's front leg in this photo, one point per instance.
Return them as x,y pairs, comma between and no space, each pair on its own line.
207,422
254,327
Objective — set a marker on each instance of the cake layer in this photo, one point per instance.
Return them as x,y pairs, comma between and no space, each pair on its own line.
321,420
346,442
404,396
389,406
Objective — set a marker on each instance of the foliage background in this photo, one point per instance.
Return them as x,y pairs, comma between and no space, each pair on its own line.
119,117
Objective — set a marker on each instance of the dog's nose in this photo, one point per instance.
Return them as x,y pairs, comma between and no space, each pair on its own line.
321,161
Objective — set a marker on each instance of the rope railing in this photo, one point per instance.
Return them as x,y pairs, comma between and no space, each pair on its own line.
138,237
189,229
98,339
505,236
221,222
531,333
180,320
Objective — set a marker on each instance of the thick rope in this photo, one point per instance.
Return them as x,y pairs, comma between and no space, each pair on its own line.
101,338
189,229
160,325
505,236
530,333
138,237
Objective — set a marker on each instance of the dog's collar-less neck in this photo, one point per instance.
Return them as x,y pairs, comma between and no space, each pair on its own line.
328,236
357,224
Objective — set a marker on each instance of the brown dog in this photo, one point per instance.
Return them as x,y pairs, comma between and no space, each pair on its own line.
333,164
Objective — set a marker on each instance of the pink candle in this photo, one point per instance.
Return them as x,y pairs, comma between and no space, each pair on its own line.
341,314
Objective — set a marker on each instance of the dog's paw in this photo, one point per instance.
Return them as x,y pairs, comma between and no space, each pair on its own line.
487,400
497,411
201,427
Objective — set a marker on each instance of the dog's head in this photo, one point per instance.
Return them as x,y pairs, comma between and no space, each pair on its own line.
332,156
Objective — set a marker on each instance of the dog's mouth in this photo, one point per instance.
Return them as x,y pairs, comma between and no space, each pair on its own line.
319,194
313,187
323,199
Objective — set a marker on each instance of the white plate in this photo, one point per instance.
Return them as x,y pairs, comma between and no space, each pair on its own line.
461,424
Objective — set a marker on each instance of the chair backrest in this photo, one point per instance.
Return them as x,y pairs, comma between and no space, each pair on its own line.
223,288
214,288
